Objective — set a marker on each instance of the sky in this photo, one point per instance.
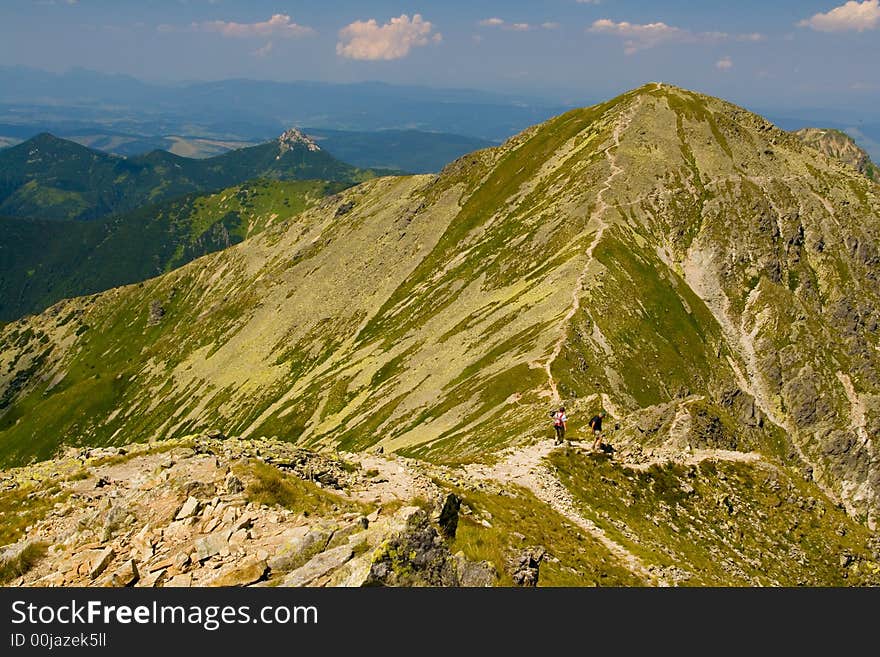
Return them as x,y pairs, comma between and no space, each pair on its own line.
779,54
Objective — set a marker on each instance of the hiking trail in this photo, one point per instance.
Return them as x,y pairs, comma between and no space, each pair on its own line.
596,217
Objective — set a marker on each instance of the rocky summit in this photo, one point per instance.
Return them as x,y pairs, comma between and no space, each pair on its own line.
840,145
706,278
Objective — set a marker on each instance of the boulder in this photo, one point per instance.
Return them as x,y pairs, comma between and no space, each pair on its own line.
125,575
100,562
524,566
415,556
318,566
189,509
233,484
474,573
447,517
212,544
239,574
299,548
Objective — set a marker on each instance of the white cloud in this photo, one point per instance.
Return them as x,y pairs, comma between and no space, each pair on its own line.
516,27
851,16
367,40
638,37
264,51
724,64
279,25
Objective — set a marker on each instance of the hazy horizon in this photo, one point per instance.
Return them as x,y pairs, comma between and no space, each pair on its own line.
788,55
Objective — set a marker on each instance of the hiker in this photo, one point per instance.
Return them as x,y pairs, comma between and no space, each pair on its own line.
559,420
596,426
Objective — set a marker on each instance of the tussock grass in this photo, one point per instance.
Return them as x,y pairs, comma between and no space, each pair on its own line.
29,557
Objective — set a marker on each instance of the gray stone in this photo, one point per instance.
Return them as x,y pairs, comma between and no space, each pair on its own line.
101,561
189,509
181,561
319,565
212,544
239,574
125,575
233,484
299,548
474,573
524,567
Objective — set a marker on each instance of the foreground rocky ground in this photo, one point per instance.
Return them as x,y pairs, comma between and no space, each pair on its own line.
212,511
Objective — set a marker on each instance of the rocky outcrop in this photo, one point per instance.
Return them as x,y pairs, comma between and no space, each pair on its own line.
417,555
841,146
524,567
180,515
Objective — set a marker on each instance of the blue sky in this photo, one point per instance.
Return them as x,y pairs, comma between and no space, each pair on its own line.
784,53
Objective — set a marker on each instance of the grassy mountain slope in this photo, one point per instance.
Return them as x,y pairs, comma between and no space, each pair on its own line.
837,143
50,178
704,276
42,262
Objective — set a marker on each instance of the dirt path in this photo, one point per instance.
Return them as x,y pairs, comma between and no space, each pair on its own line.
598,218
526,467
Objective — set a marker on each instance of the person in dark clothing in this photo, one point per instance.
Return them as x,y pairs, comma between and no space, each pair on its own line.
559,422
596,426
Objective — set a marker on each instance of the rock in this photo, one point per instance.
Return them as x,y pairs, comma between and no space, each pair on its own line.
100,562
355,573
153,579
319,565
181,561
344,532
179,581
374,516
524,566
345,208
474,573
239,574
447,517
233,484
189,509
142,544
212,544
157,312
299,548
239,537
216,434
415,556
126,575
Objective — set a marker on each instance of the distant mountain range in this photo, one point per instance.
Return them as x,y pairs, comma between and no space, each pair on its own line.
412,151
254,109
51,178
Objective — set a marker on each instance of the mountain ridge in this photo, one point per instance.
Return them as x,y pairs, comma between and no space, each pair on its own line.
51,178
671,257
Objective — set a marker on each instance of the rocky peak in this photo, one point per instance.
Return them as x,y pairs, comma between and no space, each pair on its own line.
292,138
841,146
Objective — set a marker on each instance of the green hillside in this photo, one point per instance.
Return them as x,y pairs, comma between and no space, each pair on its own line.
50,178
705,277
42,261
